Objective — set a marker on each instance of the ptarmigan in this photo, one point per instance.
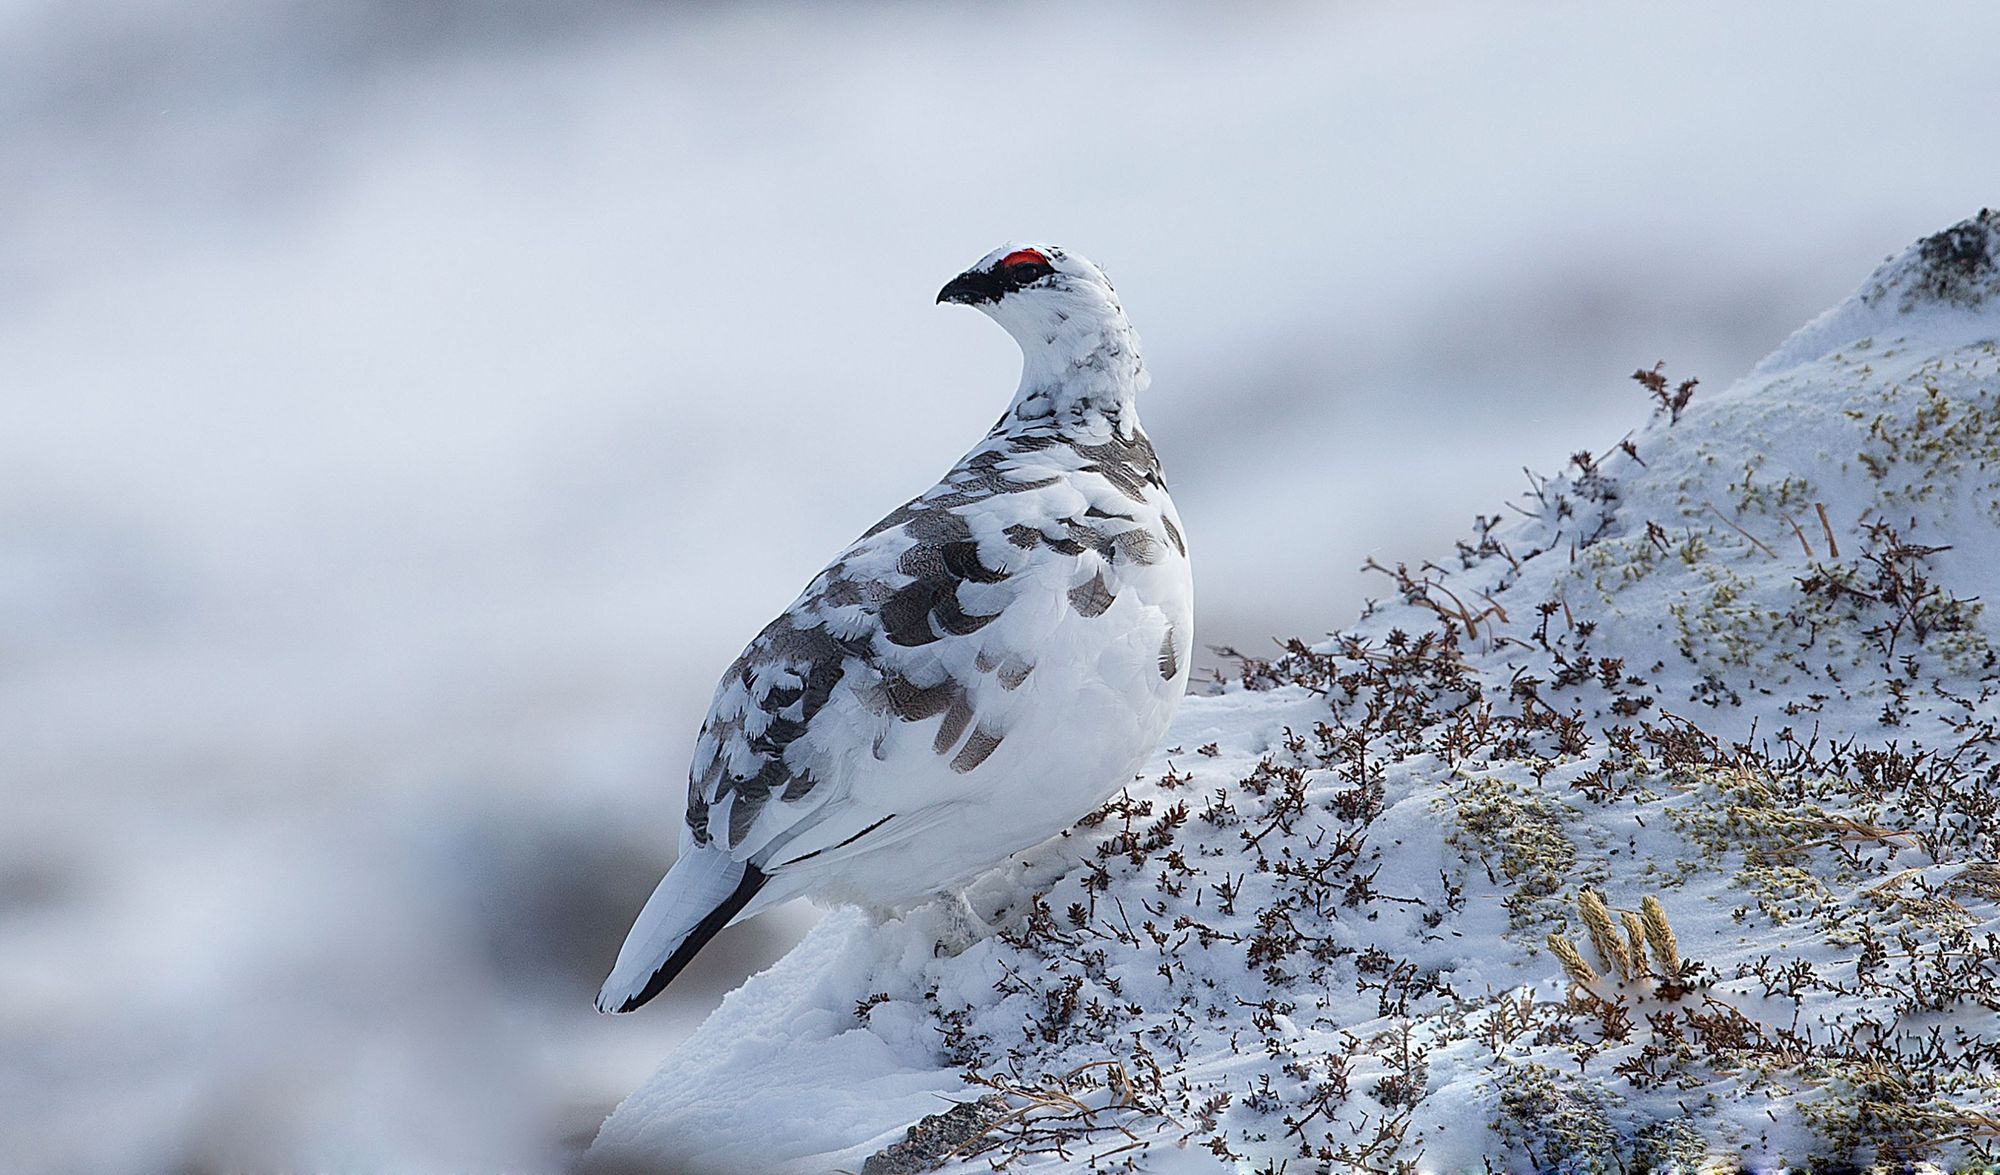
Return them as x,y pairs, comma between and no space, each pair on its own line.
983,667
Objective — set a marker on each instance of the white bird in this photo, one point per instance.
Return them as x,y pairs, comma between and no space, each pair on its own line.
982,668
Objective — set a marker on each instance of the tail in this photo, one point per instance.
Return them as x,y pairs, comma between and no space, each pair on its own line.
693,902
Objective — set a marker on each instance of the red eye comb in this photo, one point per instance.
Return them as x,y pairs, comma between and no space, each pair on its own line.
1023,257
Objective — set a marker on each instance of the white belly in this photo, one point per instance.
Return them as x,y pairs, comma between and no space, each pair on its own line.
1088,716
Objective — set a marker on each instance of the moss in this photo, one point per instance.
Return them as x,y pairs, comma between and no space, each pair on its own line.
1925,446
1770,497
1873,1114
1668,1148
1778,841
1524,834
1560,1122
1721,625
1620,563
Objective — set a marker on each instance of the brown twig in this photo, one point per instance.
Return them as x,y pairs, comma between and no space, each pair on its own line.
1800,533
1754,540
1826,526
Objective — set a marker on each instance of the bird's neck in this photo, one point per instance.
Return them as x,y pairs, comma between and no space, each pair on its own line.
1080,378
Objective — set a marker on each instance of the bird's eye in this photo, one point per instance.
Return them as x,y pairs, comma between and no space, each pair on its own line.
1028,271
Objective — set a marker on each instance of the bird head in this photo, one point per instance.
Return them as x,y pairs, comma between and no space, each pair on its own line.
1036,290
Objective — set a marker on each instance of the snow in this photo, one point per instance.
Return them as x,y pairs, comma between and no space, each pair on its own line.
1324,928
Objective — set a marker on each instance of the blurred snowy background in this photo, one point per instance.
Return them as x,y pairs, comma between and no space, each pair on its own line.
408,409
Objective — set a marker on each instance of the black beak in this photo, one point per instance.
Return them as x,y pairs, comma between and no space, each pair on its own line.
973,287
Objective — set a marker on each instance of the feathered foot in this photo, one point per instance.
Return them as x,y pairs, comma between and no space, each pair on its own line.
962,926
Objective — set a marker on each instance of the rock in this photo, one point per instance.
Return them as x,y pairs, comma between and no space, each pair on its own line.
937,1138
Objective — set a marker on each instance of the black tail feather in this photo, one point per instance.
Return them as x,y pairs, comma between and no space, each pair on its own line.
707,928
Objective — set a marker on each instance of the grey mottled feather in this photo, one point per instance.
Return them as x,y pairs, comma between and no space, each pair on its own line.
770,696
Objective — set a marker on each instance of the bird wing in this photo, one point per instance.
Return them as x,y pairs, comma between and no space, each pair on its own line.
897,667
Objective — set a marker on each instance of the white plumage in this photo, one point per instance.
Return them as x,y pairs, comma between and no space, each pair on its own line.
982,668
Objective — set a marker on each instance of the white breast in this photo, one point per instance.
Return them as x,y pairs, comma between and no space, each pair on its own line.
1100,694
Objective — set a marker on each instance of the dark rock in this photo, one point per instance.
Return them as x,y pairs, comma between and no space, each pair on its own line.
937,1138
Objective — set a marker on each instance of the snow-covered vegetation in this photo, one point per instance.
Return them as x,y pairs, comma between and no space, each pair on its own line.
1657,828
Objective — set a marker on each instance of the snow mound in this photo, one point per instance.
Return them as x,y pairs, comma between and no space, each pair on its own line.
1656,828
1938,279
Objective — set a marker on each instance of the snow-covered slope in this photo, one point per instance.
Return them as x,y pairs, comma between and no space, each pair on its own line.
1657,825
